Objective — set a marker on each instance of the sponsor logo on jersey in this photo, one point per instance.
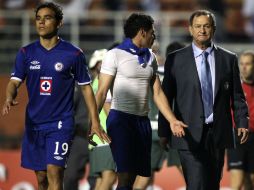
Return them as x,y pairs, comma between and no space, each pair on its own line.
35,65
58,157
45,86
59,66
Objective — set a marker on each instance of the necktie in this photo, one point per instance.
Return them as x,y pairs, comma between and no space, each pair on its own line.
206,85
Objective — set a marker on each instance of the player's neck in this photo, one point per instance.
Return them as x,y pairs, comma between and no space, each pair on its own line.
49,43
136,41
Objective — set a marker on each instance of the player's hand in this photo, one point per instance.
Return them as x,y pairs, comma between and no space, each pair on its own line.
177,128
164,143
100,133
243,133
7,106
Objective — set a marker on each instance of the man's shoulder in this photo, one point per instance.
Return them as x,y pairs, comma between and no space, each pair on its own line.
71,47
224,51
181,53
30,46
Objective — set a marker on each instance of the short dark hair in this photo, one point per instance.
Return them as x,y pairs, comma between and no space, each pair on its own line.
54,7
173,47
203,13
135,22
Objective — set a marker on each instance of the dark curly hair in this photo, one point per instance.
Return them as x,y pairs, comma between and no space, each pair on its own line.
54,7
135,22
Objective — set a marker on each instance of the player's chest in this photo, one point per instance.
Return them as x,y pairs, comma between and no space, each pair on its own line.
48,65
130,68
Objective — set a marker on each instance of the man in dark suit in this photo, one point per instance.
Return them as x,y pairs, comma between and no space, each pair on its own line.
202,83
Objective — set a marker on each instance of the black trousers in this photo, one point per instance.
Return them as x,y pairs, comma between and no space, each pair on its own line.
202,168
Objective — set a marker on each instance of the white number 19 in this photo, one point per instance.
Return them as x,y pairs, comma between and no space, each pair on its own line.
64,148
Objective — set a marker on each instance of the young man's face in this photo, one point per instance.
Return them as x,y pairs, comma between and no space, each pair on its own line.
201,30
246,67
46,23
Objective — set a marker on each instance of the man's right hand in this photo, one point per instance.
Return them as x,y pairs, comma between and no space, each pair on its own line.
7,106
164,143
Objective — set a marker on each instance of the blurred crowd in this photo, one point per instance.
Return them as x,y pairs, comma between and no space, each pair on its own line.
235,18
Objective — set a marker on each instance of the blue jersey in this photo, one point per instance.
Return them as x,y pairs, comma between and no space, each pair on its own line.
50,76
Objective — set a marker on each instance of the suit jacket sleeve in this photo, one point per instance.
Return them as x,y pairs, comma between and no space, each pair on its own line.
168,86
239,104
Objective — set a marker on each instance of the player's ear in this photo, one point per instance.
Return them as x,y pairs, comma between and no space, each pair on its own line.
60,24
142,32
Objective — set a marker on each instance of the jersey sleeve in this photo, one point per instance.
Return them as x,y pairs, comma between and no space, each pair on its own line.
81,73
19,69
109,63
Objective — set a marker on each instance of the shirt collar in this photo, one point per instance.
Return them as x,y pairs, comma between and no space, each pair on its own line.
197,51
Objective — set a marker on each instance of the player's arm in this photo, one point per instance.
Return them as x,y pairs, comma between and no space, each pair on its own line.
240,108
88,94
105,82
11,93
162,103
106,107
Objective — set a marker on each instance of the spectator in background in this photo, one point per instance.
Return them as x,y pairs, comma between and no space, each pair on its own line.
248,14
98,23
132,5
19,4
150,5
50,67
102,165
241,159
72,8
113,5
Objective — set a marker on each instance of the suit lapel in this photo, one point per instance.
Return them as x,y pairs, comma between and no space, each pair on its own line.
192,68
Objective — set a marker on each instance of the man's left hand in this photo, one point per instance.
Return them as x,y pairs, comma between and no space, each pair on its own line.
100,133
243,132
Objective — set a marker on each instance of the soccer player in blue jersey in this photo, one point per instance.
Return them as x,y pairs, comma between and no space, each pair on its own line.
50,66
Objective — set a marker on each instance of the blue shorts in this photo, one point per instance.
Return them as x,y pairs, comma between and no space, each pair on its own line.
131,138
47,143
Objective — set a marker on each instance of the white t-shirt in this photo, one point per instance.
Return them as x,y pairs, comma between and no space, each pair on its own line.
132,81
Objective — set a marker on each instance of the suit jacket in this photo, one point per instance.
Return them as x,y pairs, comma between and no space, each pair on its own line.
182,87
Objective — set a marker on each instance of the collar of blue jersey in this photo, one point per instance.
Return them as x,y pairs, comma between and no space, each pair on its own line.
143,54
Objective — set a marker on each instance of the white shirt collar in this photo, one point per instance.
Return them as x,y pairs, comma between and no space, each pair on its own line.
197,51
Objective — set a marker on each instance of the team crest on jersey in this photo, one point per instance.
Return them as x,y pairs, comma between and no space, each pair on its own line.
45,86
59,66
